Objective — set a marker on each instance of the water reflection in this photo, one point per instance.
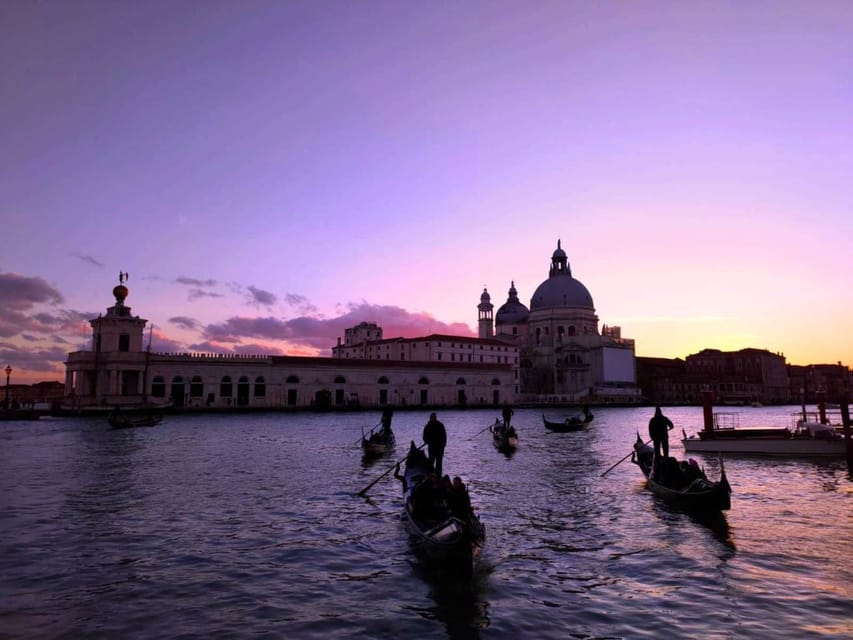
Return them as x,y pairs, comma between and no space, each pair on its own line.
460,604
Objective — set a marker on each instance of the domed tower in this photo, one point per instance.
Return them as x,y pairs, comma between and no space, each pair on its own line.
118,330
511,318
563,331
484,315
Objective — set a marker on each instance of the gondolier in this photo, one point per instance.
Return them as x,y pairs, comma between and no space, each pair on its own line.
659,428
435,437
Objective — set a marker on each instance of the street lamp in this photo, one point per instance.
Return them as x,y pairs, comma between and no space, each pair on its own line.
8,373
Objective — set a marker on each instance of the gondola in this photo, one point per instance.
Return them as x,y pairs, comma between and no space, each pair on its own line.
130,419
574,423
443,530
378,443
683,484
504,438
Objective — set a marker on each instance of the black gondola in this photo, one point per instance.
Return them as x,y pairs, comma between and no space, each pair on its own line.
504,438
443,530
573,423
682,484
129,419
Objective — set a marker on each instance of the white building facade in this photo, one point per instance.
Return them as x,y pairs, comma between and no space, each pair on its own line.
436,371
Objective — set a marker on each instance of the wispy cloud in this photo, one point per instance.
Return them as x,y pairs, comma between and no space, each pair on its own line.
21,292
89,259
184,322
259,297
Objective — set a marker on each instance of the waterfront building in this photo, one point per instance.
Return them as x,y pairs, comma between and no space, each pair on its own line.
564,357
434,371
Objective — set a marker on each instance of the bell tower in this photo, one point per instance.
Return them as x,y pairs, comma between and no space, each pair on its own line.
484,314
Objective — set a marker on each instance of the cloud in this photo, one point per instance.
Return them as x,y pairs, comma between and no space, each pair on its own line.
89,259
20,292
260,297
259,349
208,347
320,334
194,282
34,360
195,294
301,304
186,323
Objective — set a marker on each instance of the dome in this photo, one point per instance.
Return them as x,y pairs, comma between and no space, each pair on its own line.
485,297
561,289
512,311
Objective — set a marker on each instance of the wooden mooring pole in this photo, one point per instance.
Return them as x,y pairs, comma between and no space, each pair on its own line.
848,439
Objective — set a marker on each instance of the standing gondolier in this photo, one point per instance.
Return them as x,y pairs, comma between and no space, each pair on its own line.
507,415
659,428
435,437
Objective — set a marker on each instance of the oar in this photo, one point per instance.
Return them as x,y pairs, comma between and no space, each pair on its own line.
620,462
479,432
400,461
368,433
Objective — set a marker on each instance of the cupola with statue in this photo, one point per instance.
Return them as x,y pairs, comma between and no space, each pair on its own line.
118,330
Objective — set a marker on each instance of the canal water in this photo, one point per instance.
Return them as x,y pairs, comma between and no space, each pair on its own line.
246,526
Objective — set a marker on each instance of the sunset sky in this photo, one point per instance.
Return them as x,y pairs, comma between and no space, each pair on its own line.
270,173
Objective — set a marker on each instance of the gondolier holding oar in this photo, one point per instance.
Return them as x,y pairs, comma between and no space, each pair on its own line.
435,437
659,428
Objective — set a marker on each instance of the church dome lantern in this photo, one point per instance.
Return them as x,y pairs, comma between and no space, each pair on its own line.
561,290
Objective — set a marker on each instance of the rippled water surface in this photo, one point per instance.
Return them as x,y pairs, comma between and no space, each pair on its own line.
250,526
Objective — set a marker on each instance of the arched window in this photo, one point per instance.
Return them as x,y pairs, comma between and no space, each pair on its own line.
225,387
178,380
196,387
382,380
538,334
572,330
496,382
158,387
460,380
340,380
423,381
292,379
260,387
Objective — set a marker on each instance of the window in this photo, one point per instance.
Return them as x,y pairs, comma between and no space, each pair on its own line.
293,379
124,342
196,387
340,380
260,387
460,381
225,387
158,387
382,380
423,381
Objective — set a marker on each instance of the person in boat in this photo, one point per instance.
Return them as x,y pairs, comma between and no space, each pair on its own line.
387,414
507,416
659,428
459,501
435,437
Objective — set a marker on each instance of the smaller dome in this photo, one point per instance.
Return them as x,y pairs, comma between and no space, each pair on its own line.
485,297
512,311
558,252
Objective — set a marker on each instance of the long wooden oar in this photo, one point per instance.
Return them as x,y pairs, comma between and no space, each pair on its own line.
620,462
480,431
368,433
400,461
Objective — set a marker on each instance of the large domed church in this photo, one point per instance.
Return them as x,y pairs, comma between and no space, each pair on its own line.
563,355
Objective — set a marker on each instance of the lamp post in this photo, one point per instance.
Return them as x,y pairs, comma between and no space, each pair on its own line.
8,373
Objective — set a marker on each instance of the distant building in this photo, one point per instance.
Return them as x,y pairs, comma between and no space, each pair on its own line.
747,376
835,381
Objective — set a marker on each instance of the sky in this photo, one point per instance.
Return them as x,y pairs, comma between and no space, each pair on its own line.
271,173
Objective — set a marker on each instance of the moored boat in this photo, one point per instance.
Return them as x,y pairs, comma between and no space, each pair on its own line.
443,529
682,484
572,423
504,438
805,438
118,419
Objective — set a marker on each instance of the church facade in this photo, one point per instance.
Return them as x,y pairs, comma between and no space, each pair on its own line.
564,357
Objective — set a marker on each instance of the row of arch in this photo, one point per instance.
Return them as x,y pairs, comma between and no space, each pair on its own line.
158,384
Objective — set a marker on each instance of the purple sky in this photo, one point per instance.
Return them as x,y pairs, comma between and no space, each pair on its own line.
270,173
